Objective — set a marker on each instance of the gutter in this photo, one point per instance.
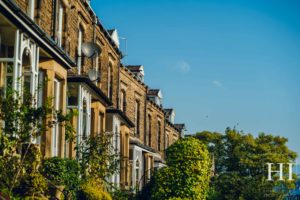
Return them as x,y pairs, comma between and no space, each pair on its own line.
98,91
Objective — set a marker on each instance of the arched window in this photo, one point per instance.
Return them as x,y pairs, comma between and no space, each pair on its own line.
123,100
158,136
110,81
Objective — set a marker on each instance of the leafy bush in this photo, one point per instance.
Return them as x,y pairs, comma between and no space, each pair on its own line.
93,190
33,184
63,172
187,174
72,177
54,170
123,194
98,158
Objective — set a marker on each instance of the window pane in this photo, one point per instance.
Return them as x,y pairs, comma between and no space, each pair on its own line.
72,95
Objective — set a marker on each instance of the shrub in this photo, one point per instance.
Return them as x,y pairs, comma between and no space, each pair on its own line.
72,178
187,174
33,184
93,190
54,170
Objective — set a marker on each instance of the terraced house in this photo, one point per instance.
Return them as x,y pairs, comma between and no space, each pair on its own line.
63,45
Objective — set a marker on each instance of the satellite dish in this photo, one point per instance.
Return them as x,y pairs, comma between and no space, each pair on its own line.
90,49
93,75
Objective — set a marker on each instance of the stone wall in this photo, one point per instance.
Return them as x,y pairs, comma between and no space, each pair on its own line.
134,90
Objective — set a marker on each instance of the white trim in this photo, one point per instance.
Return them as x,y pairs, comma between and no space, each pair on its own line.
55,129
60,23
31,9
6,59
79,53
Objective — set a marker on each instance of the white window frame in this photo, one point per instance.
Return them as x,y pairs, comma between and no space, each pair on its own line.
60,23
84,94
31,8
56,128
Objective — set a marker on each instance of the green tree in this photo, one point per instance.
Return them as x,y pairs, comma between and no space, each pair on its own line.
240,164
22,122
187,172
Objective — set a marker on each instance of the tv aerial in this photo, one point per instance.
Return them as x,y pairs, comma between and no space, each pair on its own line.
90,49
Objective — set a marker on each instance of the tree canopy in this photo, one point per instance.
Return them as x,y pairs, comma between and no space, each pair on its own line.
241,164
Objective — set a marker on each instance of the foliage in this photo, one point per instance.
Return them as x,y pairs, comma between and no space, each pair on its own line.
72,178
98,157
240,164
23,122
123,194
54,170
62,172
187,172
8,168
92,189
33,184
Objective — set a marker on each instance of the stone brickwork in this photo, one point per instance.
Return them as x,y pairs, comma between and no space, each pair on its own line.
172,134
157,117
134,90
78,13
128,92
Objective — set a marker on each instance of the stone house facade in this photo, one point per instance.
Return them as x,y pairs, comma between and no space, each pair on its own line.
44,40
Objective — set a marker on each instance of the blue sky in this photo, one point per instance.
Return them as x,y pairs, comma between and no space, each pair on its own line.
218,63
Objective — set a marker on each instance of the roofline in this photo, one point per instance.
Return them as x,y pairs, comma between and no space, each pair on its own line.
128,122
105,32
98,91
14,14
157,106
133,76
172,125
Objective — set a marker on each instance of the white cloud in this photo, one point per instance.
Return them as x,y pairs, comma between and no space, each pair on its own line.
217,83
183,66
